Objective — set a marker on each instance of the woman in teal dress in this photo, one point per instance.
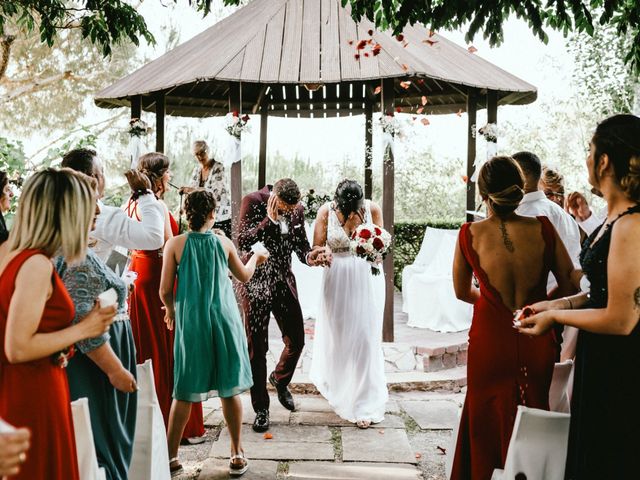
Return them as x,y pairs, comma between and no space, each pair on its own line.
210,350
103,368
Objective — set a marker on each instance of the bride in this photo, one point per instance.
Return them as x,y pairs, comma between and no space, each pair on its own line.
347,366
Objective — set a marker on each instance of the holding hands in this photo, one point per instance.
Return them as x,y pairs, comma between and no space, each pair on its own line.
320,256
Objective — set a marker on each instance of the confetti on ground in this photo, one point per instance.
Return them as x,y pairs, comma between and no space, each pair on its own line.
268,436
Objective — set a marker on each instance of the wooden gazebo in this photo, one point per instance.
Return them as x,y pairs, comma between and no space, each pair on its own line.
308,58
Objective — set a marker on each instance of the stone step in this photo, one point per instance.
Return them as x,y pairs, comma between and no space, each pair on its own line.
450,379
437,358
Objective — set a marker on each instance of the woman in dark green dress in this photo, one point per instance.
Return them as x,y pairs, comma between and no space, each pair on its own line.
103,368
210,350
605,420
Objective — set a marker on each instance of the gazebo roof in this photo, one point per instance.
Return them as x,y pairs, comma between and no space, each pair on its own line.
274,47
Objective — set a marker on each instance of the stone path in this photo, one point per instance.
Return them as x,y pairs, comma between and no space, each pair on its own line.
412,443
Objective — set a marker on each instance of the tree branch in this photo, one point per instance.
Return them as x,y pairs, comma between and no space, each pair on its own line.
35,85
5,50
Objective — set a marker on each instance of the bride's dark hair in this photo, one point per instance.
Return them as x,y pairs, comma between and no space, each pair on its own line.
348,197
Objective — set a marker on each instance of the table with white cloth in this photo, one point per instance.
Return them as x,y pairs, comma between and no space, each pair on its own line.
428,296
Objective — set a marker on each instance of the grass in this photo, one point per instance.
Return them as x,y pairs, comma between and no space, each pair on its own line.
283,470
336,441
410,424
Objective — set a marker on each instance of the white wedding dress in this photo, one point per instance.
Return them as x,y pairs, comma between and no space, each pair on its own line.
347,366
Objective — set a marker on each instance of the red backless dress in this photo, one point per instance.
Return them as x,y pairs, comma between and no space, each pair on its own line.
35,394
152,338
505,369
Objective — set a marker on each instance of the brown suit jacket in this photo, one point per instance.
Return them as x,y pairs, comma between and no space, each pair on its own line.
255,226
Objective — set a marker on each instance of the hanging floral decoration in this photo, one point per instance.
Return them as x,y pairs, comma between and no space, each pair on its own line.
236,124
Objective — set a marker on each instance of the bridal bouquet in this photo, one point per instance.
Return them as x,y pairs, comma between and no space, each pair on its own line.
371,243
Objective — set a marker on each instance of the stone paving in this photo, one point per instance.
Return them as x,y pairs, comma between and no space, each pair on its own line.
313,443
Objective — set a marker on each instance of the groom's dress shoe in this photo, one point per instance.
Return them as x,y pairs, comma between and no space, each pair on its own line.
261,423
284,395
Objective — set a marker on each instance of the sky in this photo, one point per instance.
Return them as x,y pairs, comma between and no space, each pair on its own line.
548,67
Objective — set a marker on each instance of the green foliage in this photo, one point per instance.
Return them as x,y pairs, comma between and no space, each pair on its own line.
104,22
408,238
312,201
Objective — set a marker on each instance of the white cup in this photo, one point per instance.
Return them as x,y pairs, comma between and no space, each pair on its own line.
108,298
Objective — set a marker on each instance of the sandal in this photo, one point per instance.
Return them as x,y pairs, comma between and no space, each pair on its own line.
363,424
238,468
175,468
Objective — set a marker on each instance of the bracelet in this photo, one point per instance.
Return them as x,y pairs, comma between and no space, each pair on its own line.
570,302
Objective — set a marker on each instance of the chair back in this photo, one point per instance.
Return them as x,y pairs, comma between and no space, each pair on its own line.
87,459
559,392
538,446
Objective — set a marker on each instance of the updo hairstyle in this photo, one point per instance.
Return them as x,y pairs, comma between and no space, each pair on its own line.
154,165
348,197
198,206
619,137
501,183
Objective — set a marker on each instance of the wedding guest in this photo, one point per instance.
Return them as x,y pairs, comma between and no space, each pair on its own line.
210,350
13,450
552,184
511,256
152,339
604,419
348,364
113,226
210,174
275,217
55,214
5,204
104,367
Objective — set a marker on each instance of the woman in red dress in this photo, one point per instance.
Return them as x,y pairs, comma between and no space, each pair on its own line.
55,213
511,257
152,338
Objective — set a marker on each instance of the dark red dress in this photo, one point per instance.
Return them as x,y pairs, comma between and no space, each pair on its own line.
152,338
505,369
35,394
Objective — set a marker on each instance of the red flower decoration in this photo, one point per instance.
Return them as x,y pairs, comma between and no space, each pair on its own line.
378,244
245,118
364,233
378,231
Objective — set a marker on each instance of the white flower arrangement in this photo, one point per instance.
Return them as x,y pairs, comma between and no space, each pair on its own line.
236,124
138,128
490,132
391,125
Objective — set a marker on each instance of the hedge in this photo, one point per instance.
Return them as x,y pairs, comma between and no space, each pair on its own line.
408,239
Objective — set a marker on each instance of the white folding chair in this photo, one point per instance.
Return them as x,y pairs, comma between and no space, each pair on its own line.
538,446
87,459
150,459
560,390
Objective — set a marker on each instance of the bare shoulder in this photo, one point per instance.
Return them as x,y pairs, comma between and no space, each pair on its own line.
375,208
226,242
36,266
323,212
174,243
627,227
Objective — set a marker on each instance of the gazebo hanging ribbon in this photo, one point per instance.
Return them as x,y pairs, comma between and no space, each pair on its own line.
490,133
236,125
137,129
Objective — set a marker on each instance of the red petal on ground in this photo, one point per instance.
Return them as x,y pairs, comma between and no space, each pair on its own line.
424,100
377,90
425,121
267,436
472,49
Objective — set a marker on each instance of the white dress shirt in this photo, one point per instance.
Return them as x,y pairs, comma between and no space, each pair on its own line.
593,222
536,204
115,228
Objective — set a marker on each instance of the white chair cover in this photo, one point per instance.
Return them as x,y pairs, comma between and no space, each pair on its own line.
427,286
308,281
150,455
87,459
538,446
560,390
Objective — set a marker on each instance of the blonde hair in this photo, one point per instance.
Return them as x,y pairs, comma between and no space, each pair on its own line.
55,213
200,146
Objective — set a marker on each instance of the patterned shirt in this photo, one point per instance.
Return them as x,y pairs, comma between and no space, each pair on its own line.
217,183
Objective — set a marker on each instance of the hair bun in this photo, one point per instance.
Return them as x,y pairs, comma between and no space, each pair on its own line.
630,183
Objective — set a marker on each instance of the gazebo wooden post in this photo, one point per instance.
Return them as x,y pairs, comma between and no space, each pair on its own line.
492,106
472,106
387,104
136,106
262,157
160,112
236,167
368,149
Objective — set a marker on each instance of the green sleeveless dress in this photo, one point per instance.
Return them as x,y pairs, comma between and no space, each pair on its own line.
211,358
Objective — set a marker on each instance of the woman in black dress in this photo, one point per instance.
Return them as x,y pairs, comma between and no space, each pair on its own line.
605,418
5,204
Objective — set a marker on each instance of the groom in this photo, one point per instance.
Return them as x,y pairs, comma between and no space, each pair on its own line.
275,217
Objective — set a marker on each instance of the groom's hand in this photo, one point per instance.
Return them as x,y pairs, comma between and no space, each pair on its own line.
272,208
320,257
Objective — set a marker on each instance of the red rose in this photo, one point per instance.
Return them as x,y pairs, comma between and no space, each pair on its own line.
378,244
360,250
366,234
235,113
378,231
245,118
